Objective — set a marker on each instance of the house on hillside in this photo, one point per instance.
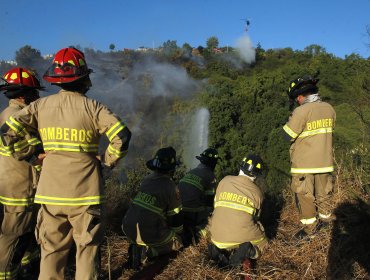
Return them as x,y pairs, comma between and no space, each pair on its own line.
11,62
142,49
217,50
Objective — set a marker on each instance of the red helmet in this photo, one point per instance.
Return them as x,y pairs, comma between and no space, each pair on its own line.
20,78
69,65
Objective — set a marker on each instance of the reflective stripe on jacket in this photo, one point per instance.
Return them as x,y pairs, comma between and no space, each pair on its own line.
310,128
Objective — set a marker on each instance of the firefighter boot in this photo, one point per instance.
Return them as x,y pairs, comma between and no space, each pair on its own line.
307,232
305,235
136,255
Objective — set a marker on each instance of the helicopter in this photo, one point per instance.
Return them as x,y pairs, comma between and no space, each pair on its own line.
247,23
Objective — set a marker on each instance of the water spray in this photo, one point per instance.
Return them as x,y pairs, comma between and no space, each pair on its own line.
198,137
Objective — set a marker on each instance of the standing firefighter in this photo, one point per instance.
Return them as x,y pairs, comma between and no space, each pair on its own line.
18,182
70,188
236,234
197,189
310,129
154,220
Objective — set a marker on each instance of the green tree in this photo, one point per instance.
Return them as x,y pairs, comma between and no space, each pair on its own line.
187,49
314,49
212,43
170,47
112,47
260,52
28,56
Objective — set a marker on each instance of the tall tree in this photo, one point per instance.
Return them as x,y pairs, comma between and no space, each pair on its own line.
28,56
187,48
212,42
31,58
170,47
314,49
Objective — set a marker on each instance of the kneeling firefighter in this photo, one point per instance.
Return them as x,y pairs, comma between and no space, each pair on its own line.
236,234
153,223
197,190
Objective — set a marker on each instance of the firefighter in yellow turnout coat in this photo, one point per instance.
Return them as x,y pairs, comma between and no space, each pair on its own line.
236,233
153,223
18,182
70,188
310,129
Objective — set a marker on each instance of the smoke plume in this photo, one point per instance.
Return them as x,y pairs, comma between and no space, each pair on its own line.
246,49
145,95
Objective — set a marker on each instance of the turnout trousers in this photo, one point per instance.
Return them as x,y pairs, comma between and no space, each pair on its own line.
58,226
312,194
195,224
17,241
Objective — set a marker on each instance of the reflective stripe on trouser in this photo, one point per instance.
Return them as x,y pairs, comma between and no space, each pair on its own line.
16,234
259,244
57,227
232,245
312,193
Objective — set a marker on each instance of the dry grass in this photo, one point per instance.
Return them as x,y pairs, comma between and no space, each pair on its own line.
339,251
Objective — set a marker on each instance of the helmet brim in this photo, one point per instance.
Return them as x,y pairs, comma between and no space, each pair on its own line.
56,79
150,165
10,87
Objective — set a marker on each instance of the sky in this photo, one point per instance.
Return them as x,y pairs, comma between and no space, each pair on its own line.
340,26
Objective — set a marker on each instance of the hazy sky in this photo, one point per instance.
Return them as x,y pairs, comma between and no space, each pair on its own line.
47,25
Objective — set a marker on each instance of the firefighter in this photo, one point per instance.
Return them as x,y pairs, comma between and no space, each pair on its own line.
70,189
236,234
153,223
197,190
18,183
309,130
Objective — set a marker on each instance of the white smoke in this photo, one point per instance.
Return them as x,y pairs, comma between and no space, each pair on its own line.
246,50
166,79
143,95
